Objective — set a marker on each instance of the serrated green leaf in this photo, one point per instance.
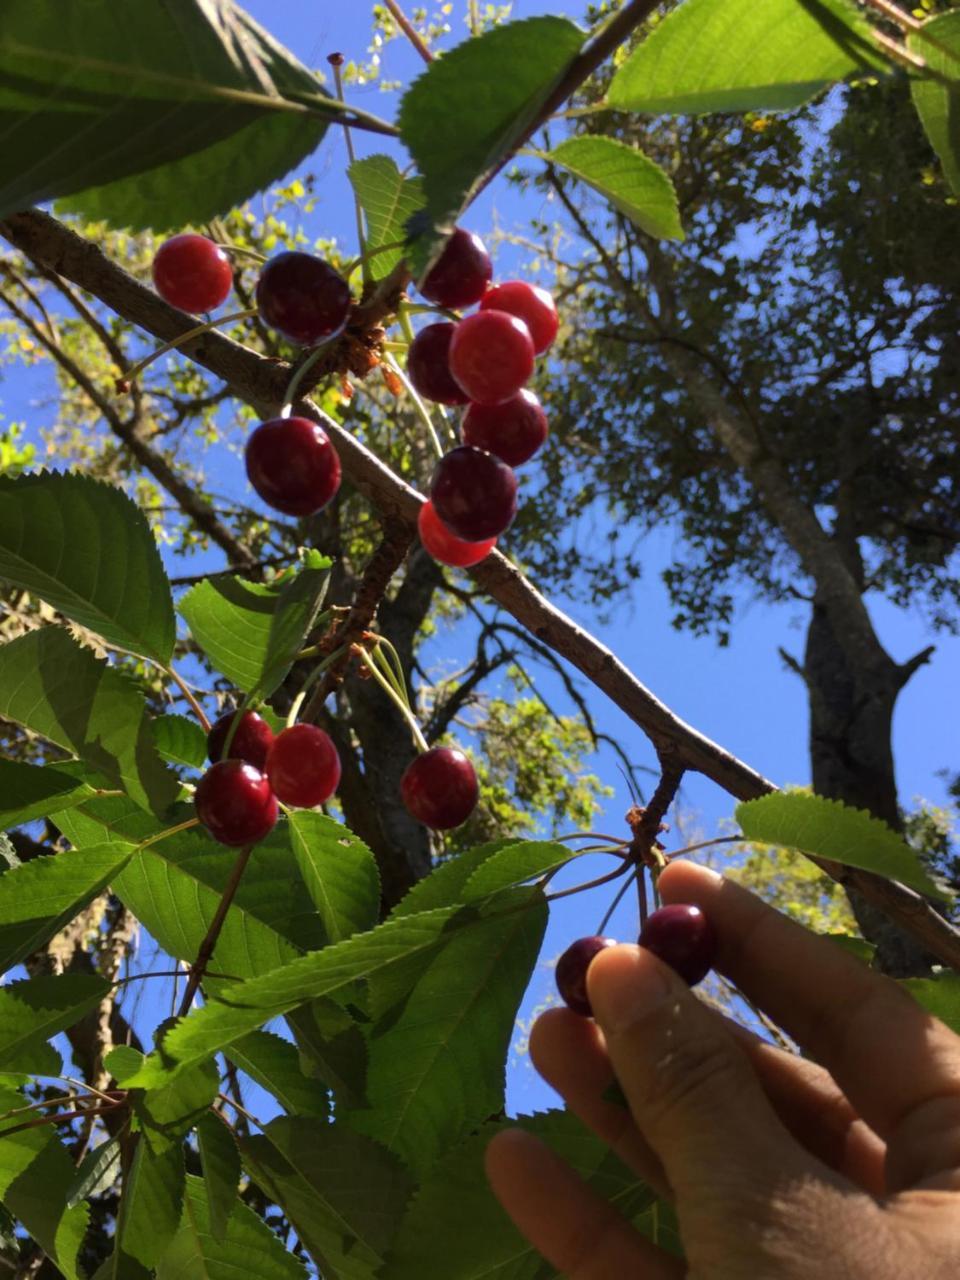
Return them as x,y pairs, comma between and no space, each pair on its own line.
9,858
33,1011
167,1113
344,1194
30,791
339,871
444,886
518,862
737,55
939,995
829,829
50,684
250,1247
275,1065
389,201
332,1049
220,1158
39,897
937,102
151,1203
97,1172
87,549
180,740
252,632
631,181
115,817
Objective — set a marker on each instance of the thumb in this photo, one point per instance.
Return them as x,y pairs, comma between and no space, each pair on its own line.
690,1086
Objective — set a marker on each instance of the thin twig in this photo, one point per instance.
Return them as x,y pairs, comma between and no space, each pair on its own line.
199,968
589,884
336,62
409,30
187,692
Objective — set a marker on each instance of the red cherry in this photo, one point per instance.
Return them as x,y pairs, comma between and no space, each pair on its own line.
474,494
529,303
440,543
571,972
682,937
491,356
251,741
235,803
192,273
303,766
461,274
440,788
428,365
514,430
293,466
303,298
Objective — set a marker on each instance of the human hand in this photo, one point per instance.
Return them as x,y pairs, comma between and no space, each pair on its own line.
779,1169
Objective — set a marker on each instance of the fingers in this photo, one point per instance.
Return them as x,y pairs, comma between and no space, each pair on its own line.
573,1227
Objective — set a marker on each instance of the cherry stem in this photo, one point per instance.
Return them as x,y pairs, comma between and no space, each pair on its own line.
336,62
421,407
589,884
236,248
615,903
389,661
419,739
299,374
370,254
187,692
133,374
234,725
705,844
591,835
409,30
170,831
199,967
311,680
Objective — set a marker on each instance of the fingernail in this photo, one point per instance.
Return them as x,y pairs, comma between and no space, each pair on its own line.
626,985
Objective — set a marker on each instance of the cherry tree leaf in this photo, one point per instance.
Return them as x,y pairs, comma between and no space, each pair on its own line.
339,871
220,1158
389,201
631,181
938,43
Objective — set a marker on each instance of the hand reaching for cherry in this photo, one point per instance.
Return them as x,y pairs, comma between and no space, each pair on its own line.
844,1163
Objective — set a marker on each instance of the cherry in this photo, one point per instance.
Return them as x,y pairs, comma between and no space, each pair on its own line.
293,466
235,803
491,356
529,303
192,273
461,274
682,937
303,298
571,972
474,493
440,788
251,741
303,766
514,430
440,543
428,365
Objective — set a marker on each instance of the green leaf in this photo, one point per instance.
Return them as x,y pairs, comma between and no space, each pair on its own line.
631,181
472,107
517,863
86,548
250,1247
332,1048
180,740
831,830
343,1193
167,1113
339,871
220,1158
250,631
737,55
51,685
939,995
444,886
275,1065
29,791
31,1012
196,100
97,1172
938,104
39,897
437,1069
151,1203
389,201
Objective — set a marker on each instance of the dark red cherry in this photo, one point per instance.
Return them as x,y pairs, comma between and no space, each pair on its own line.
461,274
293,466
235,803
681,936
572,969
491,356
428,365
514,430
303,298
251,740
444,546
529,303
303,766
474,494
440,788
192,273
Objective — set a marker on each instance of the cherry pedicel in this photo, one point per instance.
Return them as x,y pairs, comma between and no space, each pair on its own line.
192,273
251,740
681,936
428,365
444,546
303,766
303,298
293,466
571,972
461,274
474,493
440,788
514,430
234,801
491,356
529,303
